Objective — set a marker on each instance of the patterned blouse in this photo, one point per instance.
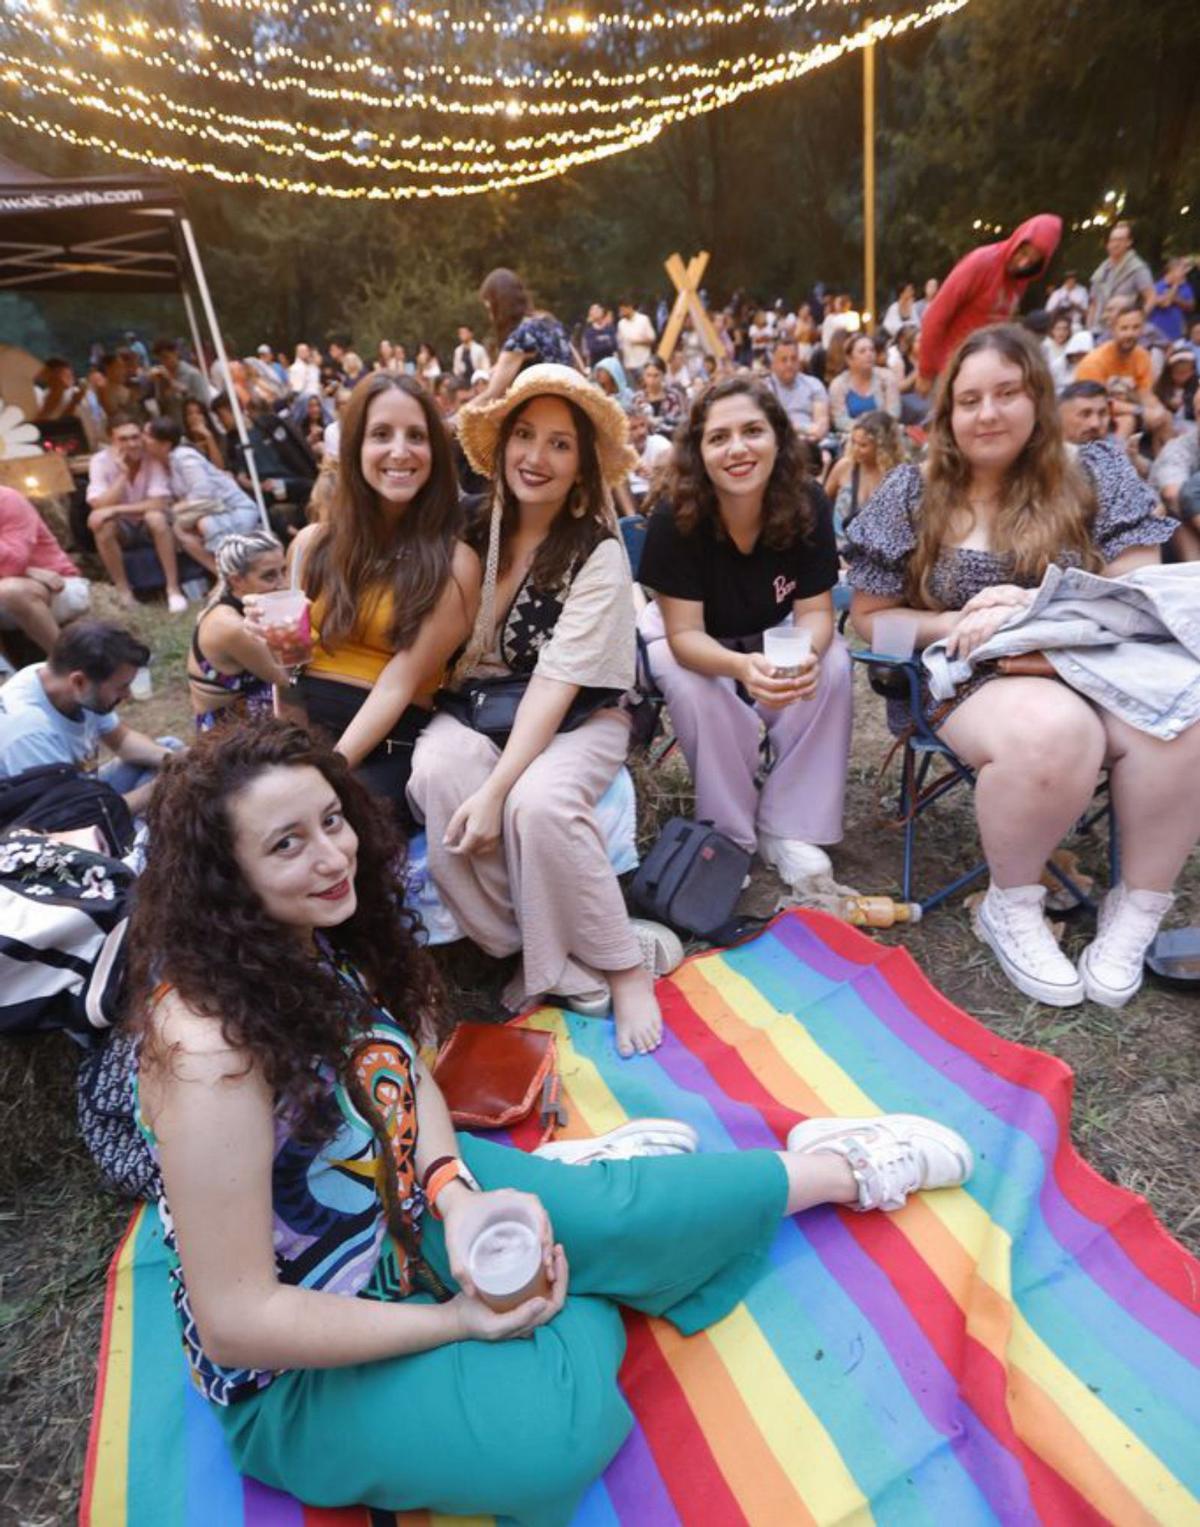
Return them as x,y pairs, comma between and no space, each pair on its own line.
665,412
882,537
329,1214
543,338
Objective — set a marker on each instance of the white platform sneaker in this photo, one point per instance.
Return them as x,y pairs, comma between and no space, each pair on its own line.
1112,964
890,1156
794,860
1012,923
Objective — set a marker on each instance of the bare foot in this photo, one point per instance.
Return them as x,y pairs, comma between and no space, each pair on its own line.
635,1011
125,599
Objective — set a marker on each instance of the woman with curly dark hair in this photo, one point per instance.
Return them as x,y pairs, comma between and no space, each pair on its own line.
294,1125
514,846
743,542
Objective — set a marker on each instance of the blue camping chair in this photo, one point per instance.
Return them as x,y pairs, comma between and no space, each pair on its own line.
923,783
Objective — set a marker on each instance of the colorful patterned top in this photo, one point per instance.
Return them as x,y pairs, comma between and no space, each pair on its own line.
329,1200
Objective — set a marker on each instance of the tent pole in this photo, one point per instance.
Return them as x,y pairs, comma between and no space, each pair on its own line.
193,327
239,417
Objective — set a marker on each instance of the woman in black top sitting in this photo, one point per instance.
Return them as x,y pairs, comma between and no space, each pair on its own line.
742,543
231,672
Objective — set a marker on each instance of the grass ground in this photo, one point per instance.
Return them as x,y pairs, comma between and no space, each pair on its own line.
1136,1115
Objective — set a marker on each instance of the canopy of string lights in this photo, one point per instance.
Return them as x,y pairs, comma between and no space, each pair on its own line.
359,100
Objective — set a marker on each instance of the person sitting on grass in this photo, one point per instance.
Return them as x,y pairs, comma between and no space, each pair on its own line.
208,504
294,1124
875,447
964,543
743,541
514,847
129,496
62,710
40,587
231,672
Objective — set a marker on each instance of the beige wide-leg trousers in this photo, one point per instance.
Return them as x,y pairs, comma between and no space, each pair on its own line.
547,889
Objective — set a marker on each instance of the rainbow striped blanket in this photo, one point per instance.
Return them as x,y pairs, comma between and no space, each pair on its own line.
1022,1350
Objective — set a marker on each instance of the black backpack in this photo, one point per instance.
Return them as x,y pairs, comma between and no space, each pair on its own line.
691,879
58,798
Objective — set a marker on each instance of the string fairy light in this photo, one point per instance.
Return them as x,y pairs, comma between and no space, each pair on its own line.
492,172
97,31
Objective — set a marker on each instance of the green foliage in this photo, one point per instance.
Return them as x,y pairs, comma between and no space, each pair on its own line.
1010,108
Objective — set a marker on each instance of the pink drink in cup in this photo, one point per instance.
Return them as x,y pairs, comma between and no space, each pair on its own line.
285,624
506,1260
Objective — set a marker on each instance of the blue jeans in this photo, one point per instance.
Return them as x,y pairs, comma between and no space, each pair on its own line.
124,777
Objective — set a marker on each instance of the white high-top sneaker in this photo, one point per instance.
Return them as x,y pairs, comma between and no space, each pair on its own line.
1112,964
1013,924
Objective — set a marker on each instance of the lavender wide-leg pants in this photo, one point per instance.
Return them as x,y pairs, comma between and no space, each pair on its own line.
720,733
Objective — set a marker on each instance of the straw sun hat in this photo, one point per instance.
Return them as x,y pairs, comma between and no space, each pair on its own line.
479,424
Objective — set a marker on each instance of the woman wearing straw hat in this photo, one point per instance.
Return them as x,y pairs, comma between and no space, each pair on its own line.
513,844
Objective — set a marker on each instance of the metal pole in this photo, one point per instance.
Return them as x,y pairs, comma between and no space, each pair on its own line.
193,327
869,185
239,417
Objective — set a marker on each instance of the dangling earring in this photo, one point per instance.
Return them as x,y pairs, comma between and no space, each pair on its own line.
578,507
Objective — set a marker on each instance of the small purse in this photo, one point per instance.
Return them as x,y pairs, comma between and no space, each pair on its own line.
490,705
493,1075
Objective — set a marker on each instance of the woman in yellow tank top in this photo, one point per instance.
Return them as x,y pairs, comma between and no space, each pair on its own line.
394,591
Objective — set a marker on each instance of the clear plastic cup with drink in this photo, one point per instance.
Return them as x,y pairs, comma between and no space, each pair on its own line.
787,648
506,1259
282,620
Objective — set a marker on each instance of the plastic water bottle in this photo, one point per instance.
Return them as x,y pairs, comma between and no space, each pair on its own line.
879,911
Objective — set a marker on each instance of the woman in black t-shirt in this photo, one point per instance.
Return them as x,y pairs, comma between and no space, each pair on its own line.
744,542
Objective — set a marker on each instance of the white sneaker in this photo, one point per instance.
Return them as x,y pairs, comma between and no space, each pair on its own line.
176,604
891,1156
1111,966
662,950
1012,923
794,860
640,1137
588,1004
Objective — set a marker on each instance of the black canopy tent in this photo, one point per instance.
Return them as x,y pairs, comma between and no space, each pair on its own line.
108,234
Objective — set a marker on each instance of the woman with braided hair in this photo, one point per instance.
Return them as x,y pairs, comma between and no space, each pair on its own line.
231,671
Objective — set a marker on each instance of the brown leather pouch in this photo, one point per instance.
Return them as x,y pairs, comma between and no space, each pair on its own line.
1035,665
493,1075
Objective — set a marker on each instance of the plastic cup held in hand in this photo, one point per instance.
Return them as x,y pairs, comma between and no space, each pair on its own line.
894,634
505,1260
787,648
284,620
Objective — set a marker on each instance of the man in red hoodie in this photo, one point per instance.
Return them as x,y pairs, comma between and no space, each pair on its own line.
986,286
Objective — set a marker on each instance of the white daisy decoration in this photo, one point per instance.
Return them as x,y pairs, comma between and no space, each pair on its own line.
17,436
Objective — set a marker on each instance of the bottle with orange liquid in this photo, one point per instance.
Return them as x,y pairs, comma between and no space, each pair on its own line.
878,911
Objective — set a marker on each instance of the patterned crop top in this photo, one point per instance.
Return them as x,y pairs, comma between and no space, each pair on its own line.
327,1199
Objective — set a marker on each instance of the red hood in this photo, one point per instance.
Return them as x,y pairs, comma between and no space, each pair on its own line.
1044,230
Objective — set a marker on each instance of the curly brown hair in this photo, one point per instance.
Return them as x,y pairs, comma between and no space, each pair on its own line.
197,925
788,512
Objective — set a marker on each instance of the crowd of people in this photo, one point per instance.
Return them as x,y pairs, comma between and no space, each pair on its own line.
467,664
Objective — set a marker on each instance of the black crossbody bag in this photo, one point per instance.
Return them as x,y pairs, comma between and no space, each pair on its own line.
490,705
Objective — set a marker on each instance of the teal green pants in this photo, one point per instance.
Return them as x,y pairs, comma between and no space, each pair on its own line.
521,1428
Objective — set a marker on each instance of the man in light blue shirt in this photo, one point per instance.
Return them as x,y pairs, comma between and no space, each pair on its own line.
64,710
197,485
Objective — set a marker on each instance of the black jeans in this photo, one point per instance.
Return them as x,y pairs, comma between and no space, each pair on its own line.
385,770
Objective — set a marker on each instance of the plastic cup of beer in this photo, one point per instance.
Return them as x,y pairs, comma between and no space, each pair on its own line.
506,1260
284,618
894,634
787,648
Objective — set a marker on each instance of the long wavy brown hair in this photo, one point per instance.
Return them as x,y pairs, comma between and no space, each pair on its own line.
507,300
198,926
1048,506
788,513
363,548
577,529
